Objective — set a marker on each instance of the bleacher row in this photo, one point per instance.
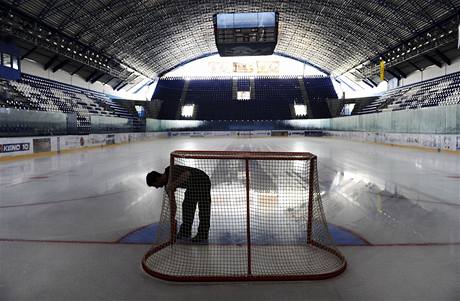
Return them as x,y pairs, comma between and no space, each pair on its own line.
440,91
39,94
243,84
318,90
208,96
214,99
168,93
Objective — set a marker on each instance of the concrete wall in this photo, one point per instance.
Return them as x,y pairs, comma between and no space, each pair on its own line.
430,73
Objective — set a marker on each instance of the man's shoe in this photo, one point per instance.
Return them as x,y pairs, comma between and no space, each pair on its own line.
182,235
200,239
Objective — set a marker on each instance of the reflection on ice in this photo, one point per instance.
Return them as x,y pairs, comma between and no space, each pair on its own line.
362,203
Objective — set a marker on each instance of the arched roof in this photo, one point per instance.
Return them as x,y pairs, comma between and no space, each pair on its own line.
152,36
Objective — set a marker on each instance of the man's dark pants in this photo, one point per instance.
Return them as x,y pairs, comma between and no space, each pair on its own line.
198,194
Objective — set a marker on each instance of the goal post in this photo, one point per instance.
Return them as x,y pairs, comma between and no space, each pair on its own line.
240,216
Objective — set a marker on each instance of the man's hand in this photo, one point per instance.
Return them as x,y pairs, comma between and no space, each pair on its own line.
170,187
170,190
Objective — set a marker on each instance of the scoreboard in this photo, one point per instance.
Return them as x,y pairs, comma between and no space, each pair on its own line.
246,34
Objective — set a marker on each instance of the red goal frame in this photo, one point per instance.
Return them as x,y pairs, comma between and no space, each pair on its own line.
246,156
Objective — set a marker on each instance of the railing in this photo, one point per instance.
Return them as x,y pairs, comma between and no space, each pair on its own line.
15,123
431,120
103,124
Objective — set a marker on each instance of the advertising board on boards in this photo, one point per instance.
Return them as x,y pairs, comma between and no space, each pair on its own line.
42,145
14,147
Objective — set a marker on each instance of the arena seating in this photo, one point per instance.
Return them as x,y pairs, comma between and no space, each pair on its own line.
318,89
168,92
35,93
276,97
11,98
440,91
243,84
214,98
210,97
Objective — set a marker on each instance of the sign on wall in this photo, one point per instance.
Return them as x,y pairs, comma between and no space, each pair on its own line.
14,147
42,145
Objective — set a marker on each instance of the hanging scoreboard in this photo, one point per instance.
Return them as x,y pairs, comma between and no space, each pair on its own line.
246,34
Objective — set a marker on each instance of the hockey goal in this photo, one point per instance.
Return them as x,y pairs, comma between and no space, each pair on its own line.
266,220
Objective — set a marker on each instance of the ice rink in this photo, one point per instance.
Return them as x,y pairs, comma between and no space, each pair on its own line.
63,219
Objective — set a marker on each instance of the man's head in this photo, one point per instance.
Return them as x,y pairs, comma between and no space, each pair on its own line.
156,179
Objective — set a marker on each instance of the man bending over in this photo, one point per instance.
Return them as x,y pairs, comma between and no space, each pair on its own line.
197,187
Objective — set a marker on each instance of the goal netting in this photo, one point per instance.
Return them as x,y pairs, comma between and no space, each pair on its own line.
258,216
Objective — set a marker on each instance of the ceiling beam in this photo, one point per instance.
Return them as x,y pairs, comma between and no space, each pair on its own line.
29,52
415,66
122,86
367,82
91,75
394,74
433,60
108,80
117,85
78,69
443,57
60,65
403,75
23,25
95,79
374,83
449,23
50,62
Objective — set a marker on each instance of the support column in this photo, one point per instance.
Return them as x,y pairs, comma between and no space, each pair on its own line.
248,220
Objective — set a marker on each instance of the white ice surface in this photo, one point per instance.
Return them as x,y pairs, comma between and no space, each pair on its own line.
392,197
